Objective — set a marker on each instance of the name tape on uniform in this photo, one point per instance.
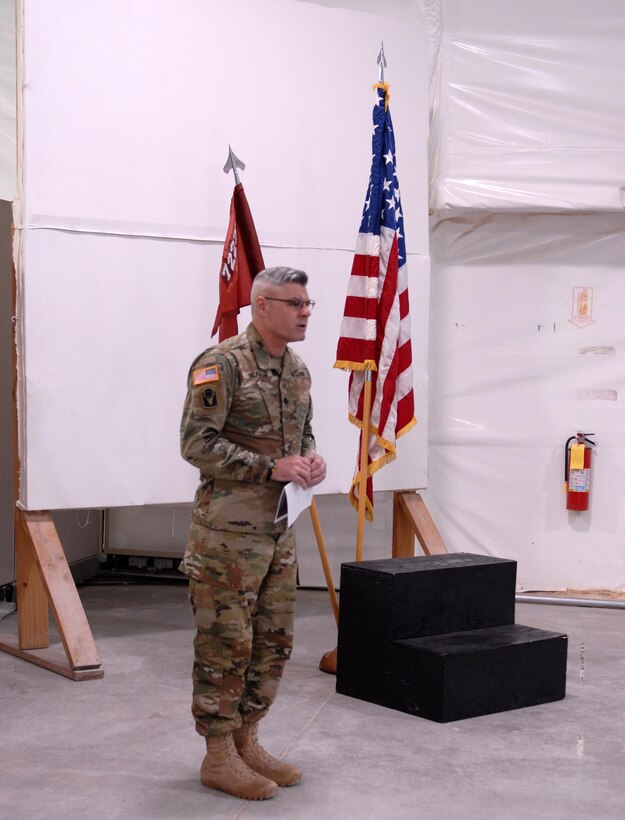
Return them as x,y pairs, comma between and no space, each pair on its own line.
205,375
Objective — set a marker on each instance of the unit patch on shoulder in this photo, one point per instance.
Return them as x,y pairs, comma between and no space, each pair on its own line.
205,375
209,397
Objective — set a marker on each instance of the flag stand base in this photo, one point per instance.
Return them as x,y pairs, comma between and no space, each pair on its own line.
328,661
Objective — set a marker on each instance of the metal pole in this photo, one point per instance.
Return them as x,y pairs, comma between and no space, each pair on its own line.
547,599
232,163
382,63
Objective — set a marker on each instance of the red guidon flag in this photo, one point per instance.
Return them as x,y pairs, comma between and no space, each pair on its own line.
241,261
375,331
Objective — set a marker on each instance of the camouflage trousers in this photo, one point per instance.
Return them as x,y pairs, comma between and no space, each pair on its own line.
244,609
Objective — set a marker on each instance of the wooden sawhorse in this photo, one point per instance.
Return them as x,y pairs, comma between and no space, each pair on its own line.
410,518
43,579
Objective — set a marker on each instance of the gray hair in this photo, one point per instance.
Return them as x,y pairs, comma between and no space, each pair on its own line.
278,277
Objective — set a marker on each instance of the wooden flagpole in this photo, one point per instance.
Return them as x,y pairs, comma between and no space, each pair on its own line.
329,659
364,459
410,515
314,516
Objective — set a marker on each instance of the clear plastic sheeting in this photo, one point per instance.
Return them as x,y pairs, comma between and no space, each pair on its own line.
528,110
527,169
515,370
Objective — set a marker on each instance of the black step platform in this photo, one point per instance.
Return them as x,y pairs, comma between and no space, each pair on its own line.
435,637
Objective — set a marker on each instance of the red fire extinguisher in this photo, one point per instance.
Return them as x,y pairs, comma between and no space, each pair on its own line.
577,461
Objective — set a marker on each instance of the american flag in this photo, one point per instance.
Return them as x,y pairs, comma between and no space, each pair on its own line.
375,331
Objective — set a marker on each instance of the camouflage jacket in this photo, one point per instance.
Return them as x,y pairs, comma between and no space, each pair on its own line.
243,408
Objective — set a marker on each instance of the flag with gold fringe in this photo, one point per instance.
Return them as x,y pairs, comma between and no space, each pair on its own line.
375,330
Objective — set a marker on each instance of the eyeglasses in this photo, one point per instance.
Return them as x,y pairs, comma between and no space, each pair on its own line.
296,304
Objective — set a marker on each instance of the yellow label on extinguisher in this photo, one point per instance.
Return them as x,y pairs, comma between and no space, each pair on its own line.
577,457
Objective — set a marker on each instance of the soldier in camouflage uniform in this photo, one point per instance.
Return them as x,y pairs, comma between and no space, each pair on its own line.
247,427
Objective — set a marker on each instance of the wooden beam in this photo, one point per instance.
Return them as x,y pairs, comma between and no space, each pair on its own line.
32,601
411,517
48,659
44,579
62,594
403,530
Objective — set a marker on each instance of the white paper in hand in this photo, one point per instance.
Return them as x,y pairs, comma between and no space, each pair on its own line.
293,500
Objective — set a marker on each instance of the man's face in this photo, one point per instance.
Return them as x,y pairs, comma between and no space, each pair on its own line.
283,320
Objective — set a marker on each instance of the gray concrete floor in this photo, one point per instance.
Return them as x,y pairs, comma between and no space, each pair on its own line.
124,746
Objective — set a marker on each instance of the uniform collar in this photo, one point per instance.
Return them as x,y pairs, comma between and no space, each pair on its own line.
265,360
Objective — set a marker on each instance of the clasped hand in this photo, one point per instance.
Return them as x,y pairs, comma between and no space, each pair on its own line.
307,471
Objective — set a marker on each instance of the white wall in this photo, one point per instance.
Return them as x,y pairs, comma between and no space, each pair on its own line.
127,114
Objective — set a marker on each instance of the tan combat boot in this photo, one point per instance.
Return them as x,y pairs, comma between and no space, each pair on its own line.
253,754
223,769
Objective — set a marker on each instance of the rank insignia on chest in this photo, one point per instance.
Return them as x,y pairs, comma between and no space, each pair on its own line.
206,375
209,397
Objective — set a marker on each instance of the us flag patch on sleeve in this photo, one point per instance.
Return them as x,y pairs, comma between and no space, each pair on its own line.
205,375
